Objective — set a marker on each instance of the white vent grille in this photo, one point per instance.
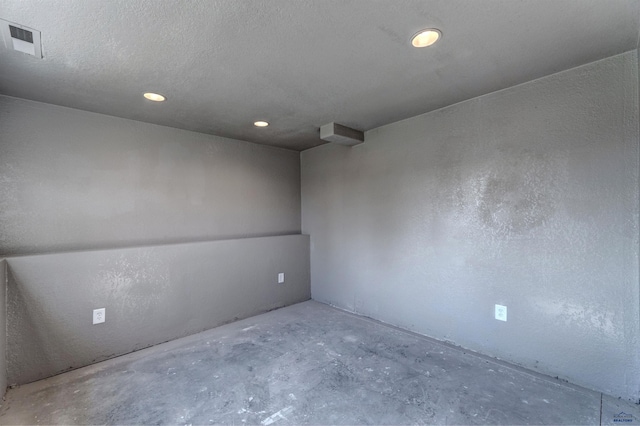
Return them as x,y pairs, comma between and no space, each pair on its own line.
20,38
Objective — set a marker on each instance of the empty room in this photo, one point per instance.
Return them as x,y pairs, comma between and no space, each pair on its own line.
283,212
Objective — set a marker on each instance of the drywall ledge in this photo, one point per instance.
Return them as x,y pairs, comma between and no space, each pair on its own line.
151,295
3,327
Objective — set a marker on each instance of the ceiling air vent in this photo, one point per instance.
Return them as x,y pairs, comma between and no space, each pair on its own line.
21,38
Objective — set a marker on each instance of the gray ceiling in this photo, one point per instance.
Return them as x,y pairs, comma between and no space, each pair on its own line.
298,63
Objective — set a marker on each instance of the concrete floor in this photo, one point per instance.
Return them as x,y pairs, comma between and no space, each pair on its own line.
307,364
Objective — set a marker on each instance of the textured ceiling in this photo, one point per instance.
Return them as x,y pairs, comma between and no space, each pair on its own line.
298,64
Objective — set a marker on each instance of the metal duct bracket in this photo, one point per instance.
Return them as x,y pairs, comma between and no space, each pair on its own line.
343,135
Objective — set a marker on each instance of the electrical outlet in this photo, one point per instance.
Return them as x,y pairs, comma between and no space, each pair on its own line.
501,313
98,315
281,278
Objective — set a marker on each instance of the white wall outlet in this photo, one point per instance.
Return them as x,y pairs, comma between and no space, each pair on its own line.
98,315
280,277
501,313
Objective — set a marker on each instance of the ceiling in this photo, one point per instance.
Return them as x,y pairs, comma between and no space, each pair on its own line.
298,64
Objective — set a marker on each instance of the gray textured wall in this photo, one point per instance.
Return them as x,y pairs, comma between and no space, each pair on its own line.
74,180
3,326
527,197
151,295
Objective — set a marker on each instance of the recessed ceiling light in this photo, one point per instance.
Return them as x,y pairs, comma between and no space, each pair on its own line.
426,37
154,97
261,124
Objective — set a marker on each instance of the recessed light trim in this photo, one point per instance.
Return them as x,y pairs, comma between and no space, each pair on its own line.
261,123
426,37
155,97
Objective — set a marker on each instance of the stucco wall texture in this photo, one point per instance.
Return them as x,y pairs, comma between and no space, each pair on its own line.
75,180
151,295
74,183
527,197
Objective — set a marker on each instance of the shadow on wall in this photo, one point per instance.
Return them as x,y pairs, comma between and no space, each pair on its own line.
151,295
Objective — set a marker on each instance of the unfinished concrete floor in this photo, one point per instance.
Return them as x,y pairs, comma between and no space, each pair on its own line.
306,364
